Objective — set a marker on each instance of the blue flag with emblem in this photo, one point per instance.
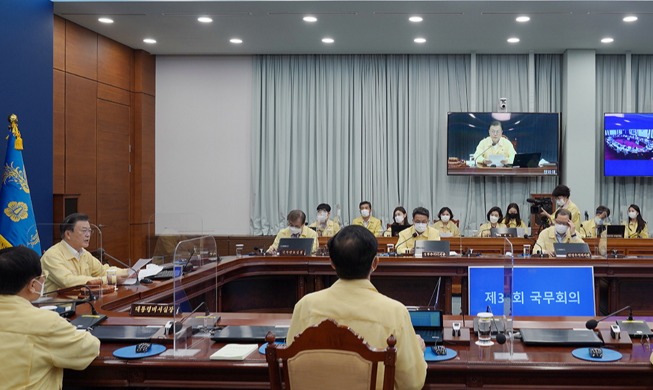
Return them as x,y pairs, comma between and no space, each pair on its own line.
17,222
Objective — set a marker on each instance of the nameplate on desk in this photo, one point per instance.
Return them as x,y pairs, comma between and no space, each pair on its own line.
434,254
579,255
152,310
292,252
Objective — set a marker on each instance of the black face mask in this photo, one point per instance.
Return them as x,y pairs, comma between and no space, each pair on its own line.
513,215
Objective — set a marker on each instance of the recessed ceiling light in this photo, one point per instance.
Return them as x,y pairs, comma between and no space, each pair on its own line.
204,19
513,40
415,19
419,40
149,41
105,20
607,40
327,40
310,19
630,18
523,19
236,41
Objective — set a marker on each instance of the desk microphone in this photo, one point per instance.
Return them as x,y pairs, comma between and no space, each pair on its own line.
591,324
91,297
483,152
178,325
102,252
405,241
501,337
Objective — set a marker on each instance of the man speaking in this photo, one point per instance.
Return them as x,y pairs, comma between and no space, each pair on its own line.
494,145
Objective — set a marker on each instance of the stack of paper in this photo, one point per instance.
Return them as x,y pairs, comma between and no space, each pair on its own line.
234,352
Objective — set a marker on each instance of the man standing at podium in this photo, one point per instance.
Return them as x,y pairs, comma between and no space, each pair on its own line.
69,264
353,301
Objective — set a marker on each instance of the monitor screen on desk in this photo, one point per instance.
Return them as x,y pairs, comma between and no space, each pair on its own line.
476,142
537,291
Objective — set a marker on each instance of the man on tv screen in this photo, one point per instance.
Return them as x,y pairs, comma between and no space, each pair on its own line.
494,150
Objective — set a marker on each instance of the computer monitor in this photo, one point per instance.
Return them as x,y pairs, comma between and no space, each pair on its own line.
422,246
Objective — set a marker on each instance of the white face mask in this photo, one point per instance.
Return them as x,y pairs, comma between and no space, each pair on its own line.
494,219
42,287
632,214
598,220
295,230
399,218
365,213
420,227
561,229
321,217
560,202
445,218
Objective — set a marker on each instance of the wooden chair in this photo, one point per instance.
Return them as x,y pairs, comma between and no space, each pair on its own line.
329,356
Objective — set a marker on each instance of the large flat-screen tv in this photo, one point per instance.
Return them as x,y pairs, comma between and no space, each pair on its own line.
628,144
503,143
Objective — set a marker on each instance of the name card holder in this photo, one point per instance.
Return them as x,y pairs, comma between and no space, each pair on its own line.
152,310
434,254
292,252
579,255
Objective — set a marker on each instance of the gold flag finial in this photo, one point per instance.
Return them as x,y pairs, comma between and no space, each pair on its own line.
13,125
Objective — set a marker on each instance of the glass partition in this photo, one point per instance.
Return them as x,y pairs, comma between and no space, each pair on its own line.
166,230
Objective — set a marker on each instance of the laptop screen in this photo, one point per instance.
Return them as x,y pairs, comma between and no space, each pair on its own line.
431,246
426,318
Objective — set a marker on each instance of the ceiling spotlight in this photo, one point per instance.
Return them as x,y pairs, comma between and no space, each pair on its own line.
630,18
523,19
419,40
327,40
150,41
236,41
513,40
105,20
607,40
415,19
204,19
310,19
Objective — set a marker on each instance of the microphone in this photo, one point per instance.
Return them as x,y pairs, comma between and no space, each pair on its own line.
101,252
91,297
483,152
501,337
591,324
406,240
587,216
178,325
437,298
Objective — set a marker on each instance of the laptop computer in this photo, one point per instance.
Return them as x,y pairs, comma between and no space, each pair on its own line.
124,334
396,229
526,160
503,232
562,249
561,337
248,334
431,246
616,231
428,324
296,244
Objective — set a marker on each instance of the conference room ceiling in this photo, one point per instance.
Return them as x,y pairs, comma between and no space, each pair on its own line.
367,27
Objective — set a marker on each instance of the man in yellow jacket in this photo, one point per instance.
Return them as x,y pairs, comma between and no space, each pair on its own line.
367,220
419,231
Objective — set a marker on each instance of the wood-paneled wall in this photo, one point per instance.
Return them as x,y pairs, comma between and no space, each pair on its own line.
103,128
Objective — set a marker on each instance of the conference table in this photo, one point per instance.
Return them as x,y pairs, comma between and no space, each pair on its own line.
261,290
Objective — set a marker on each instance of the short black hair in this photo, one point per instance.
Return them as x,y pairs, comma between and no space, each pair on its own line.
352,251
69,222
497,209
421,211
442,210
561,190
18,266
495,124
563,212
296,214
365,202
603,209
324,206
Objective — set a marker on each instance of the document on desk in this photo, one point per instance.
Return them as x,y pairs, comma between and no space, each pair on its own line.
234,352
495,159
139,264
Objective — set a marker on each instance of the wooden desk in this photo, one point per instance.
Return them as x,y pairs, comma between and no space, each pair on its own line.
504,171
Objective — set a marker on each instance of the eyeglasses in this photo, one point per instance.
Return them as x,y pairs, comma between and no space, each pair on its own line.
86,231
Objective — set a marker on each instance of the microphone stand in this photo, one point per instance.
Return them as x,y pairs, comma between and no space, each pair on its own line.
102,252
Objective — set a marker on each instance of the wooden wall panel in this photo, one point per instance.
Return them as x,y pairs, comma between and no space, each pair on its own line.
114,94
138,242
115,63
59,44
81,51
144,73
80,136
58,131
143,166
113,118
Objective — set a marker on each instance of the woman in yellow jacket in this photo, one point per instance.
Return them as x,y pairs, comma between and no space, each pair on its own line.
444,225
636,227
513,219
494,216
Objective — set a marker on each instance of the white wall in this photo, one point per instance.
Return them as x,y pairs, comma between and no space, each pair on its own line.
203,119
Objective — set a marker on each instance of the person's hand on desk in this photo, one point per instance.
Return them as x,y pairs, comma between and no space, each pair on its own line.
271,251
421,342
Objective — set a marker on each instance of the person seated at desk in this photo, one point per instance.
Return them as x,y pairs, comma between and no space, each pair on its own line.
400,218
494,215
296,229
561,194
367,220
594,227
323,225
636,227
353,301
512,218
69,264
494,145
564,231
37,344
444,225
419,231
